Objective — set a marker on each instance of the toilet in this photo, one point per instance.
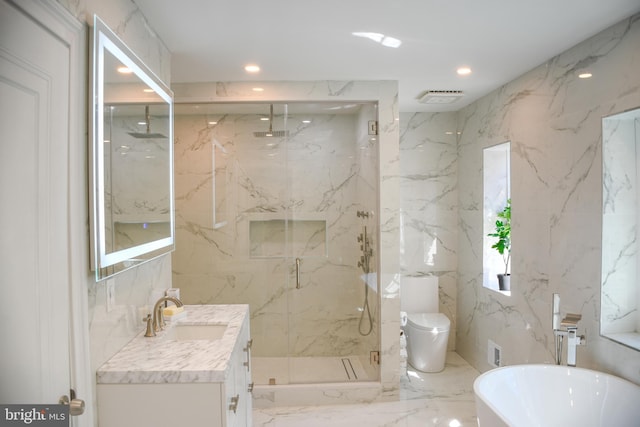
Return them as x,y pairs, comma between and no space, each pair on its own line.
427,330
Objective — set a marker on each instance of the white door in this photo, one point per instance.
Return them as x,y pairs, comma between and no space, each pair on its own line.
34,214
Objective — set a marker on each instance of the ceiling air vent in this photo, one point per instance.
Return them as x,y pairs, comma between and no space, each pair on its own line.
440,96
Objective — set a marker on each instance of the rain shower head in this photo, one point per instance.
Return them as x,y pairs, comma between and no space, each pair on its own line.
143,135
147,134
271,133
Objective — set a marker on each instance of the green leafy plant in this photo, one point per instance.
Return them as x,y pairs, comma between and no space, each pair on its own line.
503,233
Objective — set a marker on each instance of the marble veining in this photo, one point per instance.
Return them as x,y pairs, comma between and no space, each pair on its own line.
619,313
443,399
429,190
159,359
554,122
303,208
224,276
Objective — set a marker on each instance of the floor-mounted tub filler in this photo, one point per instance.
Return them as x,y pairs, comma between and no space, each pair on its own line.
552,395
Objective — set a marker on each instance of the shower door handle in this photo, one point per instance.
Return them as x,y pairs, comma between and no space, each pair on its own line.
297,273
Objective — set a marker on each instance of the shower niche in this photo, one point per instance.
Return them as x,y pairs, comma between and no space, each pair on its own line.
286,238
289,247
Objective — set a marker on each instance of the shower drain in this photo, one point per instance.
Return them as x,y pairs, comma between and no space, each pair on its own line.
348,368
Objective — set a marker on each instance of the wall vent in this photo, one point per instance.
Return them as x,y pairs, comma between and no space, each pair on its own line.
440,96
494,354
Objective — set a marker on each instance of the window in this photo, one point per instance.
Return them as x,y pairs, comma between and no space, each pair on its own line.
497,194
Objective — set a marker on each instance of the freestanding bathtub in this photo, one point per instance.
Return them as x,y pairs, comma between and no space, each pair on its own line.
552,395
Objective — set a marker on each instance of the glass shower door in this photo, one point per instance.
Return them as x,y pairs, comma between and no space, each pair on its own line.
332,192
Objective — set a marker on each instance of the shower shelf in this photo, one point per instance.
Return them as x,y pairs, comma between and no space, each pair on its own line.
276,237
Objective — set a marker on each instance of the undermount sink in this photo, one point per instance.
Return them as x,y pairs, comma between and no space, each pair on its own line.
196,332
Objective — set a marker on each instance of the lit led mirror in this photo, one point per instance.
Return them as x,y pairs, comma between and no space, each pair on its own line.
131,158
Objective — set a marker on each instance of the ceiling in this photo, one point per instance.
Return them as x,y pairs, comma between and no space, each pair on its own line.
212,40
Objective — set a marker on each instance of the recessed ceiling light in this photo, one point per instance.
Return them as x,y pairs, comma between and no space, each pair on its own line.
585,75
213,123
148,90
251,68
125,70
463,71
257,89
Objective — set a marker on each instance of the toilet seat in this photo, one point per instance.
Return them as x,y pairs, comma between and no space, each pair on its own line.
437,322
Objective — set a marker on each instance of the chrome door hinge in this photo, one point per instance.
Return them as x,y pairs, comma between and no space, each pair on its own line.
373,127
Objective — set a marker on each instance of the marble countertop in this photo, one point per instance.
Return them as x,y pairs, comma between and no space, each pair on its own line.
160,360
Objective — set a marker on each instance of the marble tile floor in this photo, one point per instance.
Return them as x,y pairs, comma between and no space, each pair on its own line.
442,399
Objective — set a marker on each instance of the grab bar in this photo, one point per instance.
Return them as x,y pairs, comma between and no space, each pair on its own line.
297,273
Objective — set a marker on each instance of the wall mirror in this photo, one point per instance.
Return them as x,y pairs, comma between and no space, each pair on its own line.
620,288
132,212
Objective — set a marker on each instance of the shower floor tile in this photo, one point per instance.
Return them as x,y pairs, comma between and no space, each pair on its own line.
283,370
443,399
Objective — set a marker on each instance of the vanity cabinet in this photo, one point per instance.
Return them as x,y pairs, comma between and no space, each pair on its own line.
187,394
238,385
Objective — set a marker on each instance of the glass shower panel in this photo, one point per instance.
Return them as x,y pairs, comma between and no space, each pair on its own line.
331,156
264,185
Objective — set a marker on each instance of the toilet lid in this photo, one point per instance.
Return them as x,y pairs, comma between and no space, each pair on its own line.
429,321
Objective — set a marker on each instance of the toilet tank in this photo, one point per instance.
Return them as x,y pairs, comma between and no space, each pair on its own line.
419,294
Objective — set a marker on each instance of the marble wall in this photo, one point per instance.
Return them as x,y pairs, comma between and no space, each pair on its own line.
429,204
138,176
553,120
137,204
283,199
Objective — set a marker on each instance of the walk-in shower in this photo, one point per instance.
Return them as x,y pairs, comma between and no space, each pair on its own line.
286,223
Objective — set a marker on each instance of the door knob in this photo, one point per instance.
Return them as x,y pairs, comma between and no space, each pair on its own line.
76,406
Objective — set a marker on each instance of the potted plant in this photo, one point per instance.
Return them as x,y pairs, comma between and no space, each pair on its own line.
503,245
